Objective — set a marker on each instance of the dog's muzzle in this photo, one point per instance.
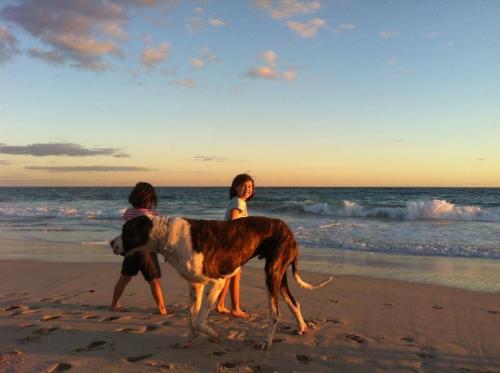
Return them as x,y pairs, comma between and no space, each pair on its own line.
117,246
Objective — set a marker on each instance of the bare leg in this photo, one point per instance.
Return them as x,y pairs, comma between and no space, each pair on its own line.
158,295
195,298
118,291
235,296
221,307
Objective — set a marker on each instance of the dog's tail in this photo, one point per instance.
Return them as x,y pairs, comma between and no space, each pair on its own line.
301,282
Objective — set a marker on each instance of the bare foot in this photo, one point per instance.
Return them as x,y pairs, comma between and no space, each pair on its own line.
239,313
117,308
222,309
163,312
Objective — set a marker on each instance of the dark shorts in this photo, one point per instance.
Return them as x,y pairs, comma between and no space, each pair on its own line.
144,261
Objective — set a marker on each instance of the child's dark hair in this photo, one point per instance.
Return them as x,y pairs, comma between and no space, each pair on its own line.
238,180
143,196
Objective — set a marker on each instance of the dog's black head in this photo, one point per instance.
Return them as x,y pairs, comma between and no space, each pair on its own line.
135,232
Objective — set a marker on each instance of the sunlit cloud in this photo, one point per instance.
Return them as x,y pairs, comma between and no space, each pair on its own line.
283,9
58,169
270,71
389,34
186,83
60,149
206,56
8,45
71,28
215,22
307,29
151,56
204,158
4,162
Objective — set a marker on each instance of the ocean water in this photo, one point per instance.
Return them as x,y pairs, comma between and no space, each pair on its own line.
364,224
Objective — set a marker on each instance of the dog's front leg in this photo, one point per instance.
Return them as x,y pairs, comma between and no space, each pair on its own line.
210,295
195,298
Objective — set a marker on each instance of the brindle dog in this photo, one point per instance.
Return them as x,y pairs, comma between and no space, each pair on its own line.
207,252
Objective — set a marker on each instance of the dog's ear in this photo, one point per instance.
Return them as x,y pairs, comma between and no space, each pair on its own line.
135,232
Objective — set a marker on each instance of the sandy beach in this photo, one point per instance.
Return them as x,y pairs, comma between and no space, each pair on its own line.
54,317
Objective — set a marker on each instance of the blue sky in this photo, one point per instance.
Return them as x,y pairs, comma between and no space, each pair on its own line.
294,92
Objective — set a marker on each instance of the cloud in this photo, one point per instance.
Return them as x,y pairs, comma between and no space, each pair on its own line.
432,35
307,29
270,71
51,57
58,169
344,27
60,149
204,158
197,63
4,162
186,83
71,28
283,9
389,34
215,22
152,56
8,45
206,56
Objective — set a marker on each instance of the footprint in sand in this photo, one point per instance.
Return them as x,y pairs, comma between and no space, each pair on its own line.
133,359
304,359
437,307
388,304
92,346
45,331
111,318
355,338
71,313
50,317
334,301
166,323
131,330
424,355
59,367
493,312
407,339
90,317
334,321
151,327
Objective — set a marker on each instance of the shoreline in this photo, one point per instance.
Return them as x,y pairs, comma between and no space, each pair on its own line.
54,315
476,274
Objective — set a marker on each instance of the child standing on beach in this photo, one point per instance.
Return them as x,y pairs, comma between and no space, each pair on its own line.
241,191
143,199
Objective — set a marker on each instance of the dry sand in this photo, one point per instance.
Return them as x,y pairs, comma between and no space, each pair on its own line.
54,317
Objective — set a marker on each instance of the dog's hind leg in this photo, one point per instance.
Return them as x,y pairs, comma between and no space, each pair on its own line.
293,305
209,298
273,281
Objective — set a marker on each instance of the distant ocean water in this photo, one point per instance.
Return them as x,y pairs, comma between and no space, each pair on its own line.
423,222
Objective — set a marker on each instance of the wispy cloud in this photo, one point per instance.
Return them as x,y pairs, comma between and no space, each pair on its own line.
152,56
283,9
270,71
4,162
432,35
206,56
215,22
307,29
389,34
58,169
186,83
344,27
205,158
60,149
51,57
8,45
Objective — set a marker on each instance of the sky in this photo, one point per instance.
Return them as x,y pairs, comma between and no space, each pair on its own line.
293,92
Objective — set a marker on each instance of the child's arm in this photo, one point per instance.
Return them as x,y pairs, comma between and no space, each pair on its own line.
234,214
